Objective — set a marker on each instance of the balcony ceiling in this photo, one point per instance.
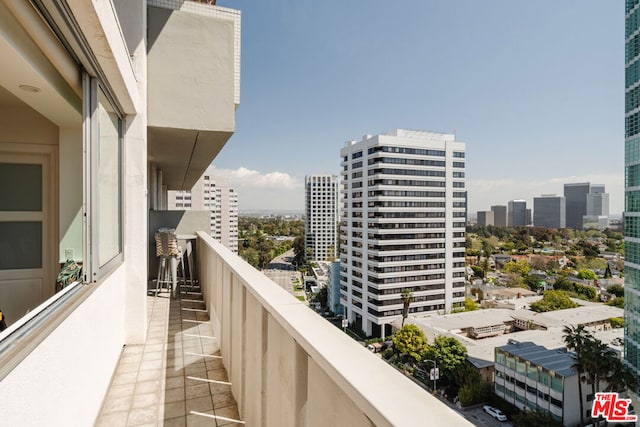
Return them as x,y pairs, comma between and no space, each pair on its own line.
29,75
183,154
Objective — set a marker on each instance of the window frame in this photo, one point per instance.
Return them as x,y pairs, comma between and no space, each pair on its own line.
93,271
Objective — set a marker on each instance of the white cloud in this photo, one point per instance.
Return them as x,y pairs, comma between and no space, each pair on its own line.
482,193
265,191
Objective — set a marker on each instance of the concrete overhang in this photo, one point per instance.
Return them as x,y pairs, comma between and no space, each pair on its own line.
191,103
183,154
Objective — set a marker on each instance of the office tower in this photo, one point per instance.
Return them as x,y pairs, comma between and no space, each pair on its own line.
549,211
212,193
403,226
321,223
576,203
529,216
499,215
485,218
597,208
517,213
632,195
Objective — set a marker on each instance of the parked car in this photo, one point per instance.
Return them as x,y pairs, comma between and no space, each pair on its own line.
495,412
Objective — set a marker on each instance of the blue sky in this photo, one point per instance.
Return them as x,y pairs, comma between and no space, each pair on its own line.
535,89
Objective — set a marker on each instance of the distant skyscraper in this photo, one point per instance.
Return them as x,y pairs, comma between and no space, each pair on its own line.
485,218
587,205
576,203
321,208
597,208
517,213
212,193
499,215
632,194
403,198
549,211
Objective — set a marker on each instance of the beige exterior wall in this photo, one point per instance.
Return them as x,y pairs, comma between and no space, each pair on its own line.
212,193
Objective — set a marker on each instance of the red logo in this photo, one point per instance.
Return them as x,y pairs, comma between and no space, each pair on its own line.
612,408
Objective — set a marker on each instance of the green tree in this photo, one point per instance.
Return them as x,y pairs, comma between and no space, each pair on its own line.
586,274
478,270
617,302
410,342
553,300
514,280
520,267
473,393
615,289
616,322
577,338
407,297
470,305
299,251
449,354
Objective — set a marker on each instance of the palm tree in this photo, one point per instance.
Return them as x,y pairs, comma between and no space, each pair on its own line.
577,339
407,297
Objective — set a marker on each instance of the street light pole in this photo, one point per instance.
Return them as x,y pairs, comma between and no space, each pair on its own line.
433,374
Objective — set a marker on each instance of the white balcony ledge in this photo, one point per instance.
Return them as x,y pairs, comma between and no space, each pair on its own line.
290,367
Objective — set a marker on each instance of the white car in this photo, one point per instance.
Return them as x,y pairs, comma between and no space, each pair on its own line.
495,413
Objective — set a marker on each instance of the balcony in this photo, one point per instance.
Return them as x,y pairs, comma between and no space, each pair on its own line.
286,365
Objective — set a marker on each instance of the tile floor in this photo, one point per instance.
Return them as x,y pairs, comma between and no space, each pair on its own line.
176,378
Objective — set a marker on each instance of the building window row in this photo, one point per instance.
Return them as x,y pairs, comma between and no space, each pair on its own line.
408,172
405,161
405,183
406,150
404,204
404,268
439,214
411,236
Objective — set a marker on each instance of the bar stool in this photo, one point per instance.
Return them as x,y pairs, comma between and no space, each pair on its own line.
170,256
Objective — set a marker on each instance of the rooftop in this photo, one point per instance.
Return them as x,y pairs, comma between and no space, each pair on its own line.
557,360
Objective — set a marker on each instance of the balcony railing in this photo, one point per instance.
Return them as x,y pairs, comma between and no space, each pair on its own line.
290,367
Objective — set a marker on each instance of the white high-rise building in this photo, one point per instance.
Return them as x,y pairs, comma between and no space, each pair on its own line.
214,194
403,226
321,209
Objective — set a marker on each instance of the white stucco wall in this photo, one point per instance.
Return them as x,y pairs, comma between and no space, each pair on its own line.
64,380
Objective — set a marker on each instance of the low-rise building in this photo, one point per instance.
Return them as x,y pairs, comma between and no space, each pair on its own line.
535,378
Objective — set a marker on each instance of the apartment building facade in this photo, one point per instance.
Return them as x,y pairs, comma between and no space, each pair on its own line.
632,188
402,226
212,193
321,216
534,378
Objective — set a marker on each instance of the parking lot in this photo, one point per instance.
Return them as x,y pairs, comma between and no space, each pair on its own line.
480,418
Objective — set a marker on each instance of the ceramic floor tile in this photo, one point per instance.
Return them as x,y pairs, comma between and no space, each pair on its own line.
199,404
139,416
174,395
174,409
114,419
201,420
174,368
145,400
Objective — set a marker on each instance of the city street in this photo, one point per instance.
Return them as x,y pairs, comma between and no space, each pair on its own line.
281,271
